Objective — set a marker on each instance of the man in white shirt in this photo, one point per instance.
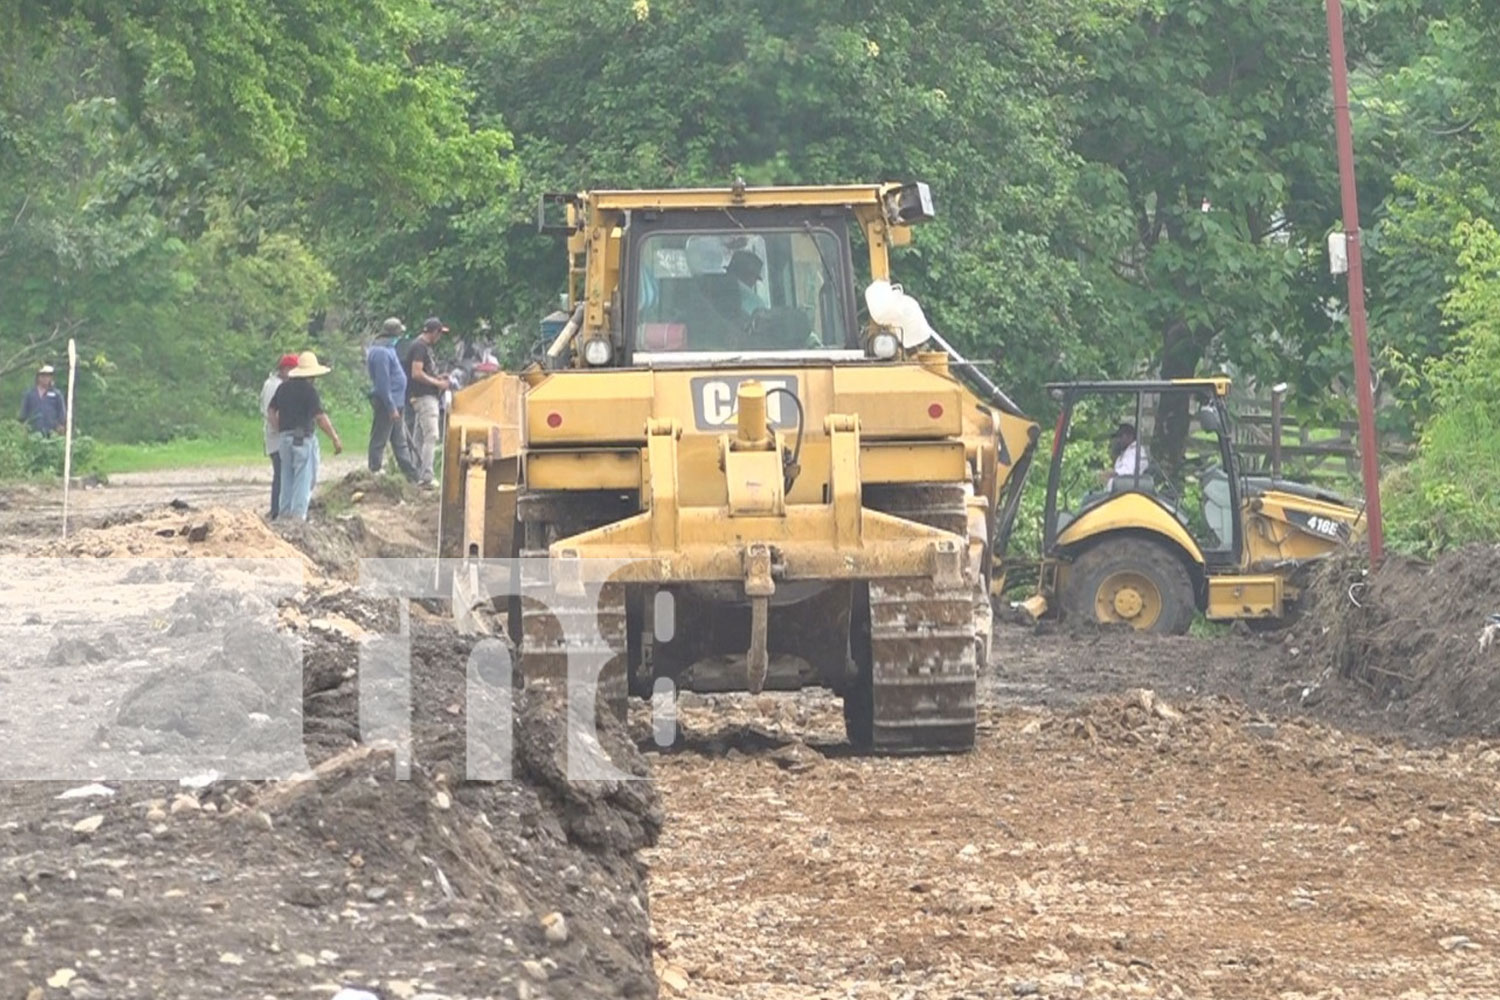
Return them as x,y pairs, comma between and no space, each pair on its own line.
273,439
1129,457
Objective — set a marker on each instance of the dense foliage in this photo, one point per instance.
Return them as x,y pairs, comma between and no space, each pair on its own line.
1450,494
173,174
1124,186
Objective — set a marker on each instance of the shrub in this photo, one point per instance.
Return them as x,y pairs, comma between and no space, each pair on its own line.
1449,495
24,455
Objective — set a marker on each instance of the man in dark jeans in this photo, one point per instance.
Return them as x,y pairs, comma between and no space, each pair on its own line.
387,397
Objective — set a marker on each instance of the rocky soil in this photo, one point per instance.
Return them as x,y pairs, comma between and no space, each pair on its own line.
1126,847
1310,814
261,843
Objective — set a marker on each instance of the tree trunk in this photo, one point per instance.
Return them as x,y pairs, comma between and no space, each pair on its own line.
1181,352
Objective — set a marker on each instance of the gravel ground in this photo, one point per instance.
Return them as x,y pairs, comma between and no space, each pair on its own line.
1142,818
1124,847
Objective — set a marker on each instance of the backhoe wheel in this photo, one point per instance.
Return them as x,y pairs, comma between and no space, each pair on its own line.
1131,581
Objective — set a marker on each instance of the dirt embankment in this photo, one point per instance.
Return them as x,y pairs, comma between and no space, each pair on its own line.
390,871
1407,644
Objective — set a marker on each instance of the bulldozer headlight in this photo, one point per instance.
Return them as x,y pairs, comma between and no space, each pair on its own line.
909,204
884,346
597,352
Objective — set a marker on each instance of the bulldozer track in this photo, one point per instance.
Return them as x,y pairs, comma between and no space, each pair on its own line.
559,628
923,641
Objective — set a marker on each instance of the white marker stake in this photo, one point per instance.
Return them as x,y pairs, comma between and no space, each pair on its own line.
68,432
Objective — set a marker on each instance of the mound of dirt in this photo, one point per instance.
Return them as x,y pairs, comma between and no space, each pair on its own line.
1407,640
180,531
388,868
364,487
364,516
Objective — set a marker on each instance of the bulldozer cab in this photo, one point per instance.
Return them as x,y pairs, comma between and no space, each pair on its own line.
1154,457
697,288
696,277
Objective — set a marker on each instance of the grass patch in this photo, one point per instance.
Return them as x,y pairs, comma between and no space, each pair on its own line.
238,442
1202,628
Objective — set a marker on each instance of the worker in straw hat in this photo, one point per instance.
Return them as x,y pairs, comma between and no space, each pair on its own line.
296,412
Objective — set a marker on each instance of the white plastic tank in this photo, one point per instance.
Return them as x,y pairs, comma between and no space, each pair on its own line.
891,307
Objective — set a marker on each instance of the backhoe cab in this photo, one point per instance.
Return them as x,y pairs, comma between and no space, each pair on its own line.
1149,517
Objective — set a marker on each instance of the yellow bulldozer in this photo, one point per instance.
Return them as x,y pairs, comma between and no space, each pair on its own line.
1168,523
793,479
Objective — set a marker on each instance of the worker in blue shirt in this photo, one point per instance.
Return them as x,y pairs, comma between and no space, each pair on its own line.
387,397
42,409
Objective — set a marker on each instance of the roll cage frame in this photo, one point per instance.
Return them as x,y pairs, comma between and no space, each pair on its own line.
1210,393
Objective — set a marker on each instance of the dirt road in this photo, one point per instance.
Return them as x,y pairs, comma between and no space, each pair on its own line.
1216,837
1191,850
35,511
1152,818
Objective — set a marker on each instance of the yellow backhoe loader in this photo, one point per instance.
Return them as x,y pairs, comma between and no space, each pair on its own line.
1167,524
789,492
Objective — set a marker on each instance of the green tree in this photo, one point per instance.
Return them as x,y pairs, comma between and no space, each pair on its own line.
1430,121
1207,131
183,178
967,96
1450,495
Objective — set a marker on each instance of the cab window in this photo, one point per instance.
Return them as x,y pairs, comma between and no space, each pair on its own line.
739,291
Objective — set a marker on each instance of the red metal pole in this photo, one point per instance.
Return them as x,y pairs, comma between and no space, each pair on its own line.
1364,381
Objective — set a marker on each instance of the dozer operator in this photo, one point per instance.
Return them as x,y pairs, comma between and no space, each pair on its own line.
793,483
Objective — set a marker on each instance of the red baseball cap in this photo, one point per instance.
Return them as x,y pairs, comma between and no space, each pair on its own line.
287,361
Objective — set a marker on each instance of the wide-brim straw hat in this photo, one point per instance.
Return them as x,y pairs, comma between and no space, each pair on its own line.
308,367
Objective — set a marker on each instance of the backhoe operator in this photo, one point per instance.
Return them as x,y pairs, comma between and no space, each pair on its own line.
1130,461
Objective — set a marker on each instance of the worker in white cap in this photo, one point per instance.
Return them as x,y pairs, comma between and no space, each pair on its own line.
42,409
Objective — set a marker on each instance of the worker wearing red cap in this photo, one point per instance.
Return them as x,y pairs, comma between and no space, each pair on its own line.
273,439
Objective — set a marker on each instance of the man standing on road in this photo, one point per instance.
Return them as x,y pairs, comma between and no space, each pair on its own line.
42,408
387,397
425,389
273,439
296,411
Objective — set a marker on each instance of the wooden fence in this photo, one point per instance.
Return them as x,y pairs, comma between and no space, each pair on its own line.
1322,454
1316,454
